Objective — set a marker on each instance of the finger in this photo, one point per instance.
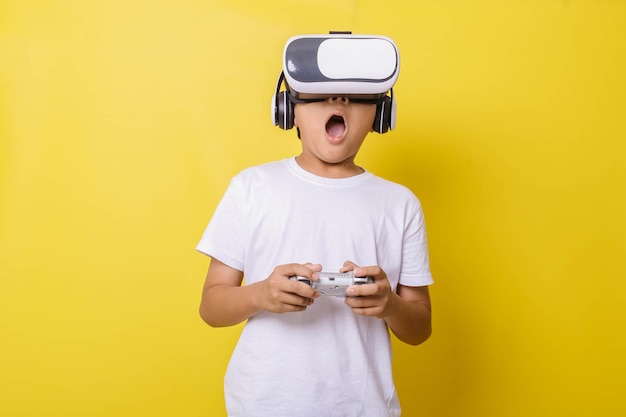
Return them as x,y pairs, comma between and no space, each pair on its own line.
368,311
304,270
372,271
314,267
302,289
361,303
298,301
348,266
363,290
288,308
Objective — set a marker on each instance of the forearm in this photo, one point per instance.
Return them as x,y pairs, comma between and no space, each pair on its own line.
410,321
224,305
225,302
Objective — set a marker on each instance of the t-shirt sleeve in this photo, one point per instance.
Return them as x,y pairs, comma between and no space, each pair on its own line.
225,236
415,271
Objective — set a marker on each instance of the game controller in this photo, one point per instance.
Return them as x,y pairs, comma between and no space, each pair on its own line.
334,284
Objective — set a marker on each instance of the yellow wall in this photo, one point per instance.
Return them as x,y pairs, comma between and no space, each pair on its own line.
122,121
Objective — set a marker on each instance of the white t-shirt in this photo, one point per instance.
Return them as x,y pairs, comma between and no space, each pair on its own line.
324,361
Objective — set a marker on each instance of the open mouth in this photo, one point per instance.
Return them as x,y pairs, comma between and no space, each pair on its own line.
336,126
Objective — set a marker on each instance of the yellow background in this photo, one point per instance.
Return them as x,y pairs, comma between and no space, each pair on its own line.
121,123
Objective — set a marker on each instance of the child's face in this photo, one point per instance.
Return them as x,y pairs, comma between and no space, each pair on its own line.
332,132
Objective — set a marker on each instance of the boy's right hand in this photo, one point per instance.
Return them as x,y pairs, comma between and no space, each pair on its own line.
278,294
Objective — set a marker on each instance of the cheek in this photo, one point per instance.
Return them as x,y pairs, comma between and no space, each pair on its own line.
371,114
295,116
299,117
306,117
366,118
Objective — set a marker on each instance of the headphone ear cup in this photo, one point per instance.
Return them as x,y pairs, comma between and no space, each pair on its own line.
383,120
393,107
284,117
274,110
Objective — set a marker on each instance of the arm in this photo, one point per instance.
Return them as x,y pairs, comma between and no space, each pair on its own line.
407,311
410,320
225,302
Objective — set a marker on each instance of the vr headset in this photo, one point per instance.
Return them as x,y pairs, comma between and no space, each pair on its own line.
363,68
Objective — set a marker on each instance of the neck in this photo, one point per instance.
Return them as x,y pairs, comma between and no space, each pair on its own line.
343,169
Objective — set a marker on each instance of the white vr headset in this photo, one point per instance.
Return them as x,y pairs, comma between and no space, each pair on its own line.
361,67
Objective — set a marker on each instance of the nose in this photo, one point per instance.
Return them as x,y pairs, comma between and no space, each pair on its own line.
338,99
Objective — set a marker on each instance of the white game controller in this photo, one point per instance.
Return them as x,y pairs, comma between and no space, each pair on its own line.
334,284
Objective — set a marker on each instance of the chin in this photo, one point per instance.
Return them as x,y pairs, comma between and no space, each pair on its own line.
336,160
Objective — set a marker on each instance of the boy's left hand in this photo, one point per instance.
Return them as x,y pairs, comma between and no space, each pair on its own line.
377,299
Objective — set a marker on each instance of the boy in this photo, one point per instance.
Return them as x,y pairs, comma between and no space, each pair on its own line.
302,353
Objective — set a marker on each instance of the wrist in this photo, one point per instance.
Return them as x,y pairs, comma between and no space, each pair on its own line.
255,297
392,306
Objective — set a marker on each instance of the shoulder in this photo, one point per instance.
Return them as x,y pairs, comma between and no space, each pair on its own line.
394,198
392,189
260,174
267,168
